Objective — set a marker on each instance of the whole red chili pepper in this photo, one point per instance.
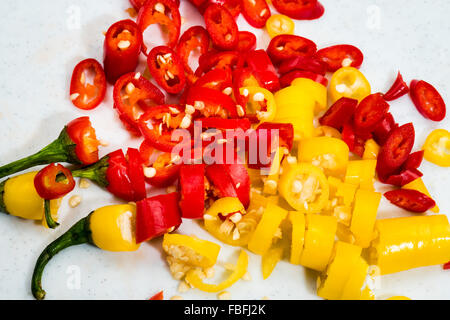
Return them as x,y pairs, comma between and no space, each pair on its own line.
76,144
121,49
399,88
411,200
192,189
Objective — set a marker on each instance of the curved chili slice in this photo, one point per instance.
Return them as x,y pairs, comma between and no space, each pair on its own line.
302,63
121,49
414,160
221,60
138,4
167,69
53,182
210,102
162,12
285,132
217,79
241,180
383,129
256,12
261,65
301,10
82,133
399,88
136,173
342,55
371,110
246,41
411,200
133,95
244,77
340,113
83,94
221,26
221,181
234,6
192,189
225,124
286,46
427,100
287,78
354,142
404,177
395,151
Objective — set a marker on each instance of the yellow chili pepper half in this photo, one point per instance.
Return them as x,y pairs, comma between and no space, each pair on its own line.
305,187
437,147
348,82
279,24
361,173
371,149
420,186
364,216
330,154
256,97
194,277
298,224
410,242
314,89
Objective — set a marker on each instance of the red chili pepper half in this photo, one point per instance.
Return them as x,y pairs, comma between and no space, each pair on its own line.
83,94
158,296
287,78
136,172
370,111
221,26
211,103
156,216
167,69
427,100
260,64
133,95
256,12
338,56
286,46
302,63
340,113
300,10
246,41
53,182
192,185
384,128
81,132
121,49
399,88
411,200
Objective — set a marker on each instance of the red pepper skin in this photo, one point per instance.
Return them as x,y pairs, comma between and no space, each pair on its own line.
287,78
221,180
129,111
136,172
138,4
427,100
48,187
221,26
241,181
170,19
246,41
447,266
234,6
94,93
168,73
404,177
118,176
261,65
333,57
370,111
411,200
340,113
227,60
286,46
256,12
83,135
414,160
395,151
285,132
217,79
118,61
225,124
300,10
192,185
302,63
383,129
158,296
216,102
156,216
399,88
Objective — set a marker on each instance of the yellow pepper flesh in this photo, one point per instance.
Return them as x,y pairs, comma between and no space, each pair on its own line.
253,104
270,259
364,216
348,82
298,224
279,24
437,146
361,173
371,149
353,289
314,89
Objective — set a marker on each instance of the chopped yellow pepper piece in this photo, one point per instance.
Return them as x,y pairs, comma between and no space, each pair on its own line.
298,224
371,149
420,186
348,82
353,289
270,259
398,298
364,216
361,173
314,89
279,24
254,103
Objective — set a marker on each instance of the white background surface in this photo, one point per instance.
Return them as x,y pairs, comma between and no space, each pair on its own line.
40,45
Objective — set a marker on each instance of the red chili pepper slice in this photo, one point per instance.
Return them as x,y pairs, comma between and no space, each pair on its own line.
370,111
133,95
404,177
384,128
210,102
83,135
167,69
118,176
447,266
261,65
241,181
156,216
136,172
286,46
85,95
244,77
234,6
221,26
427,100
158,296
287,78
121,49
285,132
342,55
396,150
162,12
221,181
53,182
411,200
300,10
414,160
246,41
256,12
217,79
353,140
192,185
138,4
340,113
227,60
225,124
302,63
399,88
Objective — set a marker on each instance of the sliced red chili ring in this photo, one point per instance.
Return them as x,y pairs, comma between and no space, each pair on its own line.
241,180
246,41
133,95
342,55
192,189
158,123
162,12
217,79
225,124
285,132
414,160
399,88
287,78
244,77
221,60
83,94
355,143
221,181
261,65
340,113
286,46
300,10
383,129
427,100
370,111
256,12
122,47
302,63
221,26
82,133
53,182
210,102
136,173
138,4
404,177
411,200
167,69
234,6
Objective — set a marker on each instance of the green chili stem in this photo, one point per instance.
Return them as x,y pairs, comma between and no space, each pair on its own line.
95,172
52,224
79,233
2,192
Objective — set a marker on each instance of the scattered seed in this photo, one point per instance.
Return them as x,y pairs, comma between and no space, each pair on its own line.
245,92
263,12
238,185
174,110
189,109
347,62
235,218
228,37
297,186
240,110
137,75
209,272
124,44
160,7
186,122
130,88
84,183
149,172
74,201
228,91
199,105
170,74
74,96
208,217
258,97
222,141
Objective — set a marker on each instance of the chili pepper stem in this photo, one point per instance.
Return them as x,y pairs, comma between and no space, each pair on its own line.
95,172
79,233
2,192
60,150
48,216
